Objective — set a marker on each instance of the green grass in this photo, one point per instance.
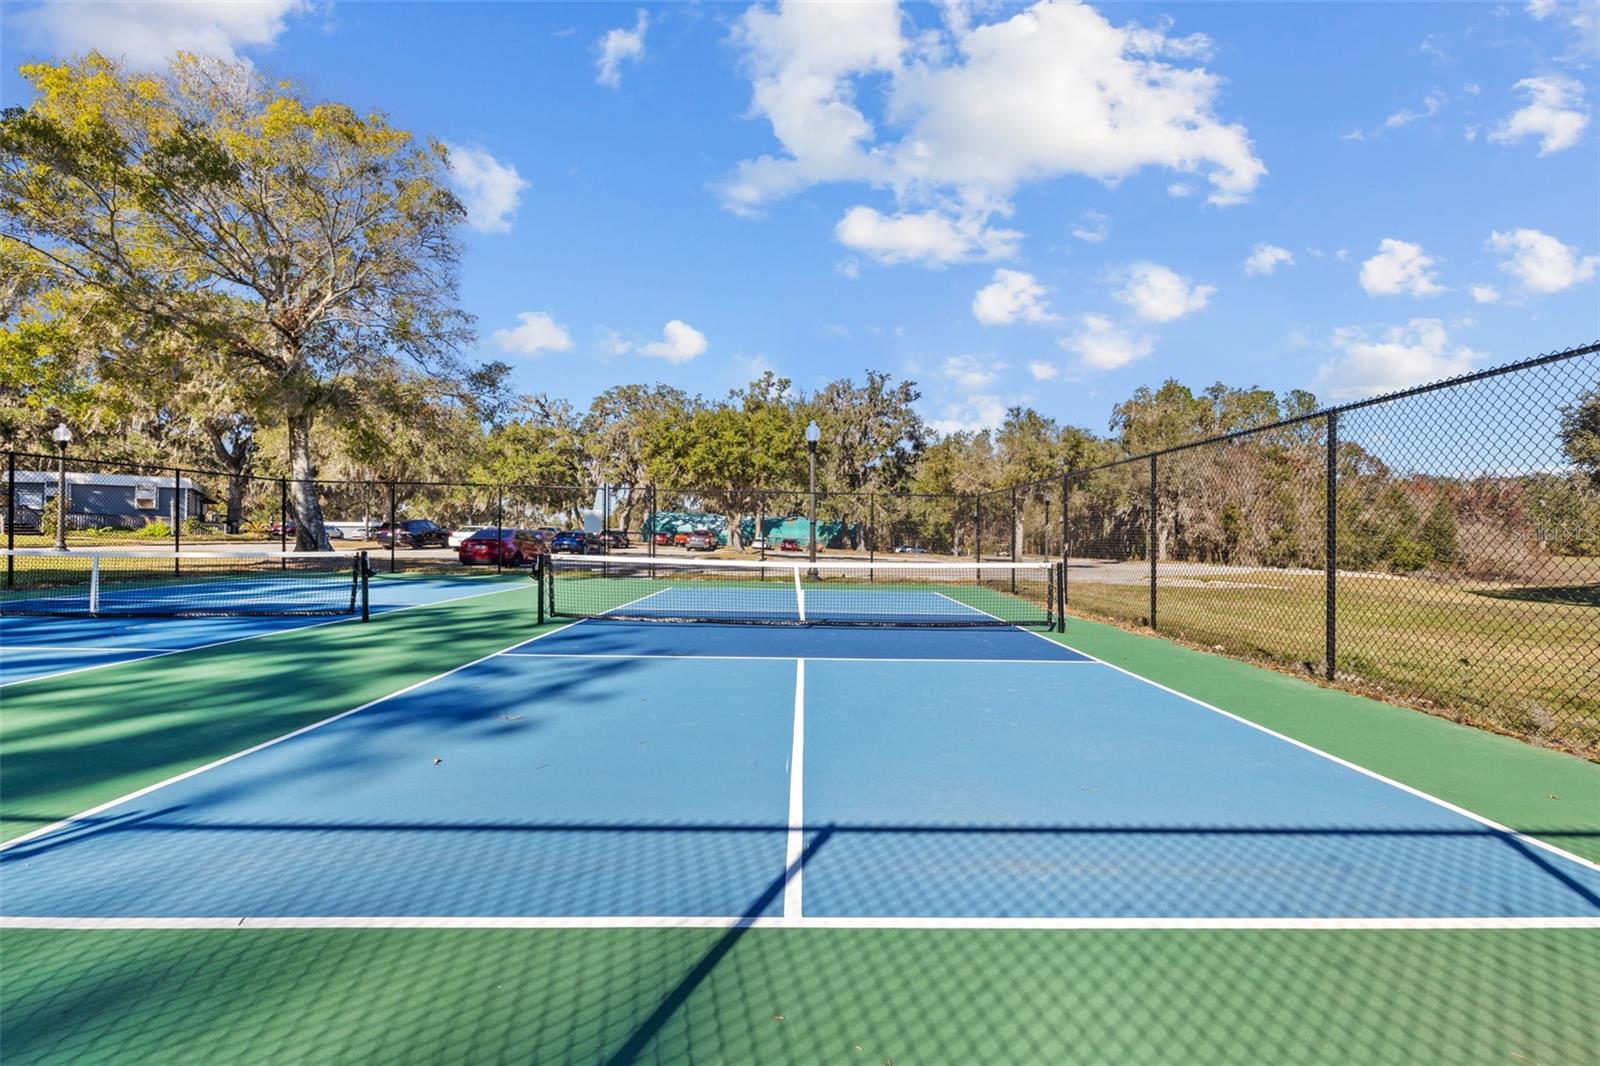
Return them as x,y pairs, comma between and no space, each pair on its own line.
1492,655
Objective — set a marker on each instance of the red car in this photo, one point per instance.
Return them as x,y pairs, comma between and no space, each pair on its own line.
788,544
663,539
508,547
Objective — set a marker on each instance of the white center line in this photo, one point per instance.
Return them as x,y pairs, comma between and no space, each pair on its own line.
796,843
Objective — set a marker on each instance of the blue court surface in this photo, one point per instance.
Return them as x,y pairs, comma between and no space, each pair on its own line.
33,647
639,773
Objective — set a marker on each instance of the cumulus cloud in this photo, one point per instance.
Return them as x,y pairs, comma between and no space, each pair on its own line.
927,237
536,332
1093,227
1043,371
1103,345
490,189
1554,113
146,34
1011,297
1158,294
1485,294
1413,354
1399,267
619,46
972,111
1266,259
1541,263
971,372
680,343
971,415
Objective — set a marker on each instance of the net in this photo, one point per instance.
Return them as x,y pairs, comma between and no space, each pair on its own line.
181,584
833,592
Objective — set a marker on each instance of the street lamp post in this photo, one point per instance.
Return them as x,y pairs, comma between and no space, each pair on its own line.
813,434
62,435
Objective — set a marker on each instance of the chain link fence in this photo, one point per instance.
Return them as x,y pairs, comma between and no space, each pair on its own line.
1438,547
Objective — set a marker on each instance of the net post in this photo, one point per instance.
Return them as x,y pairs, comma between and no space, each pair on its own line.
1331,563
1061,596
1155,541
94,584
364,583
177,518
11,517
543,572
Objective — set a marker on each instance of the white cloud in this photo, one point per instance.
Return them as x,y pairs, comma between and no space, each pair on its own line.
1180,189
1158,294
849,268
680,343
1582,20
1093,227
620,45
1539,262
1103,345
1485,294
1413,354
973,111
1266,258
1399,267
1011,296
1543,9
971,372
1554,113
489,188
1432,104
1043,371
147,34
971,415
928,237
537,332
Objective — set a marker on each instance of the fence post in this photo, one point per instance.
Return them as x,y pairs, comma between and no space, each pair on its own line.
1155,542
605,519
11,517
1066,535
872,530
283,515
499,524
977,528
1330,649
177,517
394,534
1016,541
650,526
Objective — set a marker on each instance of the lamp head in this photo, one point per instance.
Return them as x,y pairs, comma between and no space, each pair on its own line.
61,435
813,433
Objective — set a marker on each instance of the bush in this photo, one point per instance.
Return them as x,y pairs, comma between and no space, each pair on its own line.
155,530
1438,534
1408,555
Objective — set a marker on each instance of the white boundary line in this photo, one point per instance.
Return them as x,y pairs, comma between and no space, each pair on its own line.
146,790
63,823
787,658
1346,763
713,922
795,841
81,649
255,636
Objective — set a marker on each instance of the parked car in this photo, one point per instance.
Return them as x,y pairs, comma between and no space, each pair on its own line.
616,538
576,541
663,539
680,539
459,536
412,533
909,549
283,529
508,547
788,544
546,533
700,540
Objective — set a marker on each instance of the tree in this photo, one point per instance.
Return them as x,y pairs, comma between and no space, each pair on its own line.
1438,532
1580,434
299,239
618,431
872,434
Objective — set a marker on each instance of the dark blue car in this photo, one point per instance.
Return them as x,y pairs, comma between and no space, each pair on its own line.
576,541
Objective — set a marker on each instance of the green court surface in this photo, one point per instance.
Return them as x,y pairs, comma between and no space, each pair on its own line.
878,995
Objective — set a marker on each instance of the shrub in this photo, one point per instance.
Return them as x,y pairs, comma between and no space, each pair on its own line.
1407,554
157,529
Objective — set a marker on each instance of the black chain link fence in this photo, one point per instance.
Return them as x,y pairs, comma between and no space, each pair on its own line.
1438,547
1463,534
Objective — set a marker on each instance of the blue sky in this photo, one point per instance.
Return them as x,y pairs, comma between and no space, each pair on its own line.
1046,204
